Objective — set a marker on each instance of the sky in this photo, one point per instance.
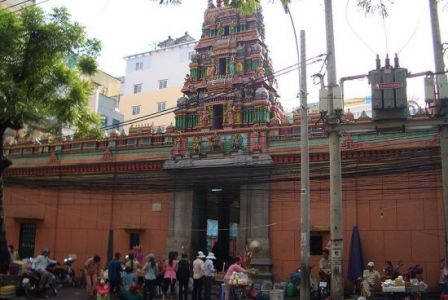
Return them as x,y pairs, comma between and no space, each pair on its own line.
133,26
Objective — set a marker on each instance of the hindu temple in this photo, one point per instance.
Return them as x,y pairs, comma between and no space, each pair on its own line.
227,173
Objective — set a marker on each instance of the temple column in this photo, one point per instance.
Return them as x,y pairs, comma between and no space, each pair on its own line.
180,222
254,220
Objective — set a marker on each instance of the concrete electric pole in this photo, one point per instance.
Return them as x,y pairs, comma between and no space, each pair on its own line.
305,292
336,213
443,96
305,284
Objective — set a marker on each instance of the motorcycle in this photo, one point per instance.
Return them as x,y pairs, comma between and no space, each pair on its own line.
29,283
66,274
324,285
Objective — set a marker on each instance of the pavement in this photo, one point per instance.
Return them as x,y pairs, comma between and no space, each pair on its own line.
79,294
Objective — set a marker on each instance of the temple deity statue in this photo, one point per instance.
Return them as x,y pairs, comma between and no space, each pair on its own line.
204,118
197,145
230,115
232,65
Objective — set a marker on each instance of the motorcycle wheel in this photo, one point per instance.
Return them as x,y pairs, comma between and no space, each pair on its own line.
30,290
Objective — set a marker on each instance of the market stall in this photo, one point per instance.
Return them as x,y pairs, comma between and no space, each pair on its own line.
399,289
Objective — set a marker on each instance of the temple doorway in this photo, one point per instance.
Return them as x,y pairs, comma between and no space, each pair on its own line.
218,112
216,218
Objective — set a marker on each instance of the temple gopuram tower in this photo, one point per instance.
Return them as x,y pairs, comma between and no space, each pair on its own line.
220,140
231,82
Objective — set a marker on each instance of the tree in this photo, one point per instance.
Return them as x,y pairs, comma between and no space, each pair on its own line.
45,64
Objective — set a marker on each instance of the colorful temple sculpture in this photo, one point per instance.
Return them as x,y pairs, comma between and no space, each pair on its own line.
231,82
226,174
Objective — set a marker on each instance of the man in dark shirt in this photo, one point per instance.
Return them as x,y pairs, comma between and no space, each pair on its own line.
114,273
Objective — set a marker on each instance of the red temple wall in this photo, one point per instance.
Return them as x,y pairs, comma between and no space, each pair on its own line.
77,222
399,216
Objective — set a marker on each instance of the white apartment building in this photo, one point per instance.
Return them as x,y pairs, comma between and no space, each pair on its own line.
154,79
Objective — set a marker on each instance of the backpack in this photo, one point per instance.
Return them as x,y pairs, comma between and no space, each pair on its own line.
183,270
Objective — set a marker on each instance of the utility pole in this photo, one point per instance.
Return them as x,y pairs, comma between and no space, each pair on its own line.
305,284
336,214
443,96
305,292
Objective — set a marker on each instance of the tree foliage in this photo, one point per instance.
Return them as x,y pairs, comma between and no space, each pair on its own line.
45,63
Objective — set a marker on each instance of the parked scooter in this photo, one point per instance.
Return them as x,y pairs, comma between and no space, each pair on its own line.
29,283
324,285
66,274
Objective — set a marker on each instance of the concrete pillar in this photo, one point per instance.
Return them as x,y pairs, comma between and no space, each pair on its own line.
254,220
181,215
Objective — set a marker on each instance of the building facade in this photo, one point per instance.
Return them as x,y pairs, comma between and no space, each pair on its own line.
105,100
154,79
228,170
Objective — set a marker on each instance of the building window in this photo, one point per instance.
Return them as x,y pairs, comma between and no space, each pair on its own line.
137,88
226,30
316,245
222,67
27,240
163,84
136,110
161,106
134,239
139,65
116,124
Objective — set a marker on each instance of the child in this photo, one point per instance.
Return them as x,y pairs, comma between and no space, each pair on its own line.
102,290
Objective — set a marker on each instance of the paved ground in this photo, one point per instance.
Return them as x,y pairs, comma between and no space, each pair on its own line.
79,294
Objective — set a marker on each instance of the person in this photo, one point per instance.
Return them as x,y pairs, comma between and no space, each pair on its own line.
209,273
234,267
198,276
102,290
13,254
132,263
183,276
92,270
169,274
150,270
40,265
370,278
325,266
443,282
138,254
114,273
390,272
130,286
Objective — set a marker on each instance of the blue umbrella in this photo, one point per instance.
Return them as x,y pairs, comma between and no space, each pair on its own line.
356,260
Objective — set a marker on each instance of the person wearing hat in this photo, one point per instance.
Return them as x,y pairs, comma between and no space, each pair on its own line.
40,265
370,278
209,273
198,276
151,268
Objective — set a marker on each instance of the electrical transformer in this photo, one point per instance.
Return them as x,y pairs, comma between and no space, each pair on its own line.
389,98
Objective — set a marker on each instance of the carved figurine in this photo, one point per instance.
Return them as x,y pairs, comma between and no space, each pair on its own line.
230,115
197,145
204,119
239,67
232,65
236,141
